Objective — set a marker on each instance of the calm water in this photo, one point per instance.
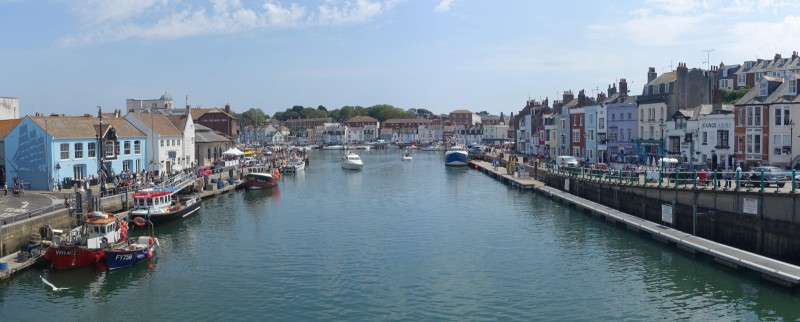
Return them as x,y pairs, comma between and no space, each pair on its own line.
398,241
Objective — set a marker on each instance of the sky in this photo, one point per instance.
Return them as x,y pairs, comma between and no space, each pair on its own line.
68,57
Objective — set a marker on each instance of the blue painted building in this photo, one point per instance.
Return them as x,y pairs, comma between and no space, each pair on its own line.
44,150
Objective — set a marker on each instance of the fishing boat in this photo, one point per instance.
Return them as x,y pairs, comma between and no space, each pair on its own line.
134,250
455,156
162,205
294,164
85,245
259,180
352,161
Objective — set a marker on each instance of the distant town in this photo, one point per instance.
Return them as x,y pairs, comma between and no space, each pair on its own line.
723,117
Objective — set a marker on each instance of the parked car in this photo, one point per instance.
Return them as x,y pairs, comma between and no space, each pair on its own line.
772,175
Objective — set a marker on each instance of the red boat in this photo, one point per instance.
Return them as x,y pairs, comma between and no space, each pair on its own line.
85,245
259,180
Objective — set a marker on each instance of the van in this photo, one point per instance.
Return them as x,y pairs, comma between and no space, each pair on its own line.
567,160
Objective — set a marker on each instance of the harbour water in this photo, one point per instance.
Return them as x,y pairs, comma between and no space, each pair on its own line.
398,240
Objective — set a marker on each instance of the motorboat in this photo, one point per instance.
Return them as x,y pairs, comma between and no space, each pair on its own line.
259,180
456,156
85,245
407,155
352,161
161,205
333,147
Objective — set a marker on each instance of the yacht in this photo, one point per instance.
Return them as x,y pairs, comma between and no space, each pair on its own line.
352,161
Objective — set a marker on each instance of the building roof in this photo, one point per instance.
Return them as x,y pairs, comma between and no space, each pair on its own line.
158,122
461,111
668,77
420,121
362,118
197,113
6,126
178,120
64,127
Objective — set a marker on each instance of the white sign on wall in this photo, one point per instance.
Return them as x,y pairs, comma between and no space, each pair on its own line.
750,206
566,184
666,213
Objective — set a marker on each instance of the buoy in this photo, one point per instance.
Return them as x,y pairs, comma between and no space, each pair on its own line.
138,221
149,254
150,242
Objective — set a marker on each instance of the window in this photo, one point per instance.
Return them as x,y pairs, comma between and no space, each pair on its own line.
613,117
753,141
601,122
741,79
763,89
629,135
64,151
137,147
793,86
179,142
127,148
705,138
563,124
109,149
162,143
576,136
652,133
722,138
753,116
741,117
629,116
782,144
78,150
92,148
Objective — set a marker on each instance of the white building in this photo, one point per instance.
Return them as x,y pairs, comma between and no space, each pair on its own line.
9,108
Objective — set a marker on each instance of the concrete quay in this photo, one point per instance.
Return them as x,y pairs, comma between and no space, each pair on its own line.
778,272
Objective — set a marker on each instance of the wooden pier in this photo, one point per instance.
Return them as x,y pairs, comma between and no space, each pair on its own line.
772,270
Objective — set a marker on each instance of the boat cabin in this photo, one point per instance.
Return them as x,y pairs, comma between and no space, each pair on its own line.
103,230
156,201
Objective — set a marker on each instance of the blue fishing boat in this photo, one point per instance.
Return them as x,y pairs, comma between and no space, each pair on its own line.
456,156
134,250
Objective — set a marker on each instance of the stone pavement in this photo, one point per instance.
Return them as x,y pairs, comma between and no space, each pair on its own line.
30,203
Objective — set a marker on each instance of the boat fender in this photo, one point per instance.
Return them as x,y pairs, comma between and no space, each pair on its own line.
150,242
104,240
138,221
149,255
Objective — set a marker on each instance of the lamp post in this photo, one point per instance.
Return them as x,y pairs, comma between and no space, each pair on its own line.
662,126
100,155
791,143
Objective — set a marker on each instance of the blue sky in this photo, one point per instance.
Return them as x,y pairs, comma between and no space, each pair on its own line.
62,56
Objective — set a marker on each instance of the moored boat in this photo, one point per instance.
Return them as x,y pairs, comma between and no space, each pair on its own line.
259,180
85,245
134,250
456,156
161,205
294,164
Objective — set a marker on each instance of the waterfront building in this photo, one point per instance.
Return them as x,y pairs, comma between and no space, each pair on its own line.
209,145
331,134
185,156
44,150
494,134
9,108
464,117
5,127
551,140
362,129
220,120
564,125
715,125
601,141
590,132
751,114
472,134
523,124
621,116
402,130
165,151
727,76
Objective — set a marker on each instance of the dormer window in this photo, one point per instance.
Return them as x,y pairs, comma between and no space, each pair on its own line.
763,88
793,87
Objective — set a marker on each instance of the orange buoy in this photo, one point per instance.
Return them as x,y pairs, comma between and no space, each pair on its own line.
138,221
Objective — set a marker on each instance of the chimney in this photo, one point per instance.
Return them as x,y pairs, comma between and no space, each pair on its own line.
651,74
777,56
623,88
716,99
581,99
228,108
568,97
681,86
612,89
794,55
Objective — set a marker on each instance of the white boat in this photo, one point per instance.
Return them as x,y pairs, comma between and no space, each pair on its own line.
456,156
333,147
352,161
437,147
294,164
407,156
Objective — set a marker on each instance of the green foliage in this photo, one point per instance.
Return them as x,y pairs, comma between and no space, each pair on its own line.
253,116
381,112
731,97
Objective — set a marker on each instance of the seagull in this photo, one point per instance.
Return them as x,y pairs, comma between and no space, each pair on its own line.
56,289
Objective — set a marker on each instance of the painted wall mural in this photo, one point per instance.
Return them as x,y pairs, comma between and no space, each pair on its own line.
28,161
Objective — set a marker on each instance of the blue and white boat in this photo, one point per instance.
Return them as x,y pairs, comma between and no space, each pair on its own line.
455,156
134,250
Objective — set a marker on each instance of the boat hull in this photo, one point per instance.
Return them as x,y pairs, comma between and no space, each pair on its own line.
119,258
352,165
67,257
256,182
169,216
455,159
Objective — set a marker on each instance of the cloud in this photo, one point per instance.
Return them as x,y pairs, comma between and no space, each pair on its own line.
443,6
119,20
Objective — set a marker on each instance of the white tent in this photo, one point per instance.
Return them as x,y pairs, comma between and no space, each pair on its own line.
233,151
667,161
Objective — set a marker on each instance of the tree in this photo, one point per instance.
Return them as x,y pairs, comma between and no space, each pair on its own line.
322,108
253,116
731,97
483,113
421,112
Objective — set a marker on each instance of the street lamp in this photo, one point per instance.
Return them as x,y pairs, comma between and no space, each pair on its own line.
662,126
791,143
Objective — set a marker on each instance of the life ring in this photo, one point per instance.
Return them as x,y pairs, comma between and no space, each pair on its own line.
139,221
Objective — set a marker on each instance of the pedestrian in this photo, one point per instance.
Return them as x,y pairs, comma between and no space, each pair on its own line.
738,174
5,189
